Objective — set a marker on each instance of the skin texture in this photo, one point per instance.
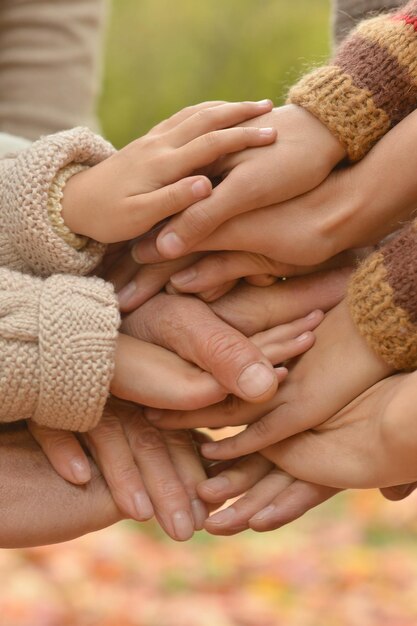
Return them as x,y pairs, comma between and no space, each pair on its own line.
151,178
340,362
369,443
374,198
255,171
39,506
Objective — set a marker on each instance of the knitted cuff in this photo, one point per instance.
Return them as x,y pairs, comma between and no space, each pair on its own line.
25,187
383,300
56,194
57,339
371,84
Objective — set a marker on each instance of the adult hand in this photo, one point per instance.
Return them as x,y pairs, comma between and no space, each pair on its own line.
188,327
354,207
340,362
265,486
146,471
369,443
39,506
301,159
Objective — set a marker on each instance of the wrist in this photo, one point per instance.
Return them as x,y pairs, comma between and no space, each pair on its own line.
328,144
74,209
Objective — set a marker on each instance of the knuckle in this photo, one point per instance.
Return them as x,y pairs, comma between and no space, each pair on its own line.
261,429
147,438
123,476
225,347
212,138
109,429
169,489
199,221
179,439
172,199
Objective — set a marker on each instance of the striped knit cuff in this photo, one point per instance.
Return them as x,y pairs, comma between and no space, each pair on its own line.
371,84
383,300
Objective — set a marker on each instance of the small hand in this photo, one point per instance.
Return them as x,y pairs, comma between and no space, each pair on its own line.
302,158
153,177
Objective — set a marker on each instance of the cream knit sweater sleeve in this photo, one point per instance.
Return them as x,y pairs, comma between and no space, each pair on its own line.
57,344
29,242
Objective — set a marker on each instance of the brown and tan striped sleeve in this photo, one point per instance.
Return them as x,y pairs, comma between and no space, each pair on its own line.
371,83
383,299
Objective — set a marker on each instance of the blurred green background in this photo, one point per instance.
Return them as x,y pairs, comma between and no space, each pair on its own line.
162,55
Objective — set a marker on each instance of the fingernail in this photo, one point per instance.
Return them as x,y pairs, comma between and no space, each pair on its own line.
201,189
219,483
184,277
183,525
303,337
313,315
256,379
200,513
264,103
143,506
171,244
263,515
135,256
266,132
223,517
208,449
125,295
80,470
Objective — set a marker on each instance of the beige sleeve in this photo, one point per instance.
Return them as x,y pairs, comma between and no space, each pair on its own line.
29,242
57,344
50,56
348,13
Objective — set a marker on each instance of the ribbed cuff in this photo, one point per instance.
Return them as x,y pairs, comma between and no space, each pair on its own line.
377,312
26,184
371,84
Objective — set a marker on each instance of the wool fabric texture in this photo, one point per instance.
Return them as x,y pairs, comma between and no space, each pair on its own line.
57,341
57,333
371,83
28,240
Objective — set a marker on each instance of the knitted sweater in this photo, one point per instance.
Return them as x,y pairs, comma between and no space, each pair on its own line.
57,334
369,86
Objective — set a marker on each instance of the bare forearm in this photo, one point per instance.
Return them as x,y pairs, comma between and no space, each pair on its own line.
39,507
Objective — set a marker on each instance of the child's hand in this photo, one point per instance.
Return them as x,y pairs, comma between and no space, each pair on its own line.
146,471
304,156
336,370
152,178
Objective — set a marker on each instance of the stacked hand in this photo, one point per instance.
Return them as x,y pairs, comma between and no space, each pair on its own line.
192,365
